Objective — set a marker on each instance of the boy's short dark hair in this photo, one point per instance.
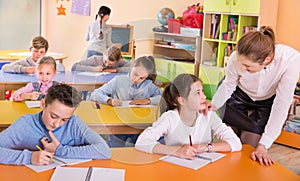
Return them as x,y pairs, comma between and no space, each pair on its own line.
65,94
39,42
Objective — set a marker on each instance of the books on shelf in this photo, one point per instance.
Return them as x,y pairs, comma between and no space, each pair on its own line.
215,26
200,160
87,174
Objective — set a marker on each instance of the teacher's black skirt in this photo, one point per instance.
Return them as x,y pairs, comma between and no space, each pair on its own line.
241,112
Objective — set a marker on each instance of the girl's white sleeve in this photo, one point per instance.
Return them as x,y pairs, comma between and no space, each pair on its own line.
148,138
223,132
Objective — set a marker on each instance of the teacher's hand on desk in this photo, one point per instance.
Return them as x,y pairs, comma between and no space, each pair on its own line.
261,155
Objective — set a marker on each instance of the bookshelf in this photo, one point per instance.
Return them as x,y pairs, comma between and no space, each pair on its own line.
225,21
175,54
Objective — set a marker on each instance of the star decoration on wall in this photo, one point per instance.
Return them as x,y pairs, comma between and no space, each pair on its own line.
61,10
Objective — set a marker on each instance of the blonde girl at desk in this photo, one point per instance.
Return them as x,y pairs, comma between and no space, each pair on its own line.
185,129
46,70
137,87
258,89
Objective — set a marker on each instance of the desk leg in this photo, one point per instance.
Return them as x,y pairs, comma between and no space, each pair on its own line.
2,92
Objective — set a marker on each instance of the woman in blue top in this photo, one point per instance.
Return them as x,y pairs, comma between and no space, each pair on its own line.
137,87
55,129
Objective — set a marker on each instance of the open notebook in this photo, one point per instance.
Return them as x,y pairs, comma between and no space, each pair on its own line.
57,162
200,160
88,174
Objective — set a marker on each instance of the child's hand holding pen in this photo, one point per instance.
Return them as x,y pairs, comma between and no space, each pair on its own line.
114,102
41,157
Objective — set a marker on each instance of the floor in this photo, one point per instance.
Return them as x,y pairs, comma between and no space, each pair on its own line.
286,156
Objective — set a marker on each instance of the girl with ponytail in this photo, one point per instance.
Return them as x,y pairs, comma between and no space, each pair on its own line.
99,33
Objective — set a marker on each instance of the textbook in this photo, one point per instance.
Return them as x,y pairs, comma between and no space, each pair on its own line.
57,162
88,174
200,160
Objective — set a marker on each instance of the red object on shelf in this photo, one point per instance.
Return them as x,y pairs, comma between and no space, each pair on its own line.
174,25
193,20
8,94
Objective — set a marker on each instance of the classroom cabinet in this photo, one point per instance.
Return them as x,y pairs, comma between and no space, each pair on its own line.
176,54
223,27
233,6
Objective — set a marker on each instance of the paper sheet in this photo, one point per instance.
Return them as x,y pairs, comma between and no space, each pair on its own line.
33,104
93,74
57,164
79,174
196,163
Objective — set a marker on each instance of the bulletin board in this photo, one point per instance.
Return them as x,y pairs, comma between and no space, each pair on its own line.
123,34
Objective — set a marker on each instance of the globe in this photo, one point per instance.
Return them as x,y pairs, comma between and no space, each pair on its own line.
163,15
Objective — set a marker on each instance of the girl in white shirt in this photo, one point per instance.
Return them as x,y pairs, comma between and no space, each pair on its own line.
258,90
180,119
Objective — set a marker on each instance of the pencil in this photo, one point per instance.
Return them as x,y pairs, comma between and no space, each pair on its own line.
39,148
191,143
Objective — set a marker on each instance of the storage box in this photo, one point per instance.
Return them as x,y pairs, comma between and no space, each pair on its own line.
174,25
190,31
193,20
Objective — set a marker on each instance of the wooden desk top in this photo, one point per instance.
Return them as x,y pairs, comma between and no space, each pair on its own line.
13,55
143,166
107,120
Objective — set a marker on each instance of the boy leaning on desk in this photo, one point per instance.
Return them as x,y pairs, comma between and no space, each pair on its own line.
55,130
38,49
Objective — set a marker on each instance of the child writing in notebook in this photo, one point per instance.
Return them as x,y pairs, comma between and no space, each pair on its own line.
185,129
55,129
137,87
111,61
38,49
46,70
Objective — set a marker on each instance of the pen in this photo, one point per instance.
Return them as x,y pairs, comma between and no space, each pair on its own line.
89,174
39,148
97,105
191,144
203,157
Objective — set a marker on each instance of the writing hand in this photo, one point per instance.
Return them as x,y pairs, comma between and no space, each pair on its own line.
50,146
97,69
140,102
186,151
30,70
261,155
41,157
114,102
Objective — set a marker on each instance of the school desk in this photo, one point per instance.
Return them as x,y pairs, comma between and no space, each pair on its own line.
12,81
107,120
143,166
13,55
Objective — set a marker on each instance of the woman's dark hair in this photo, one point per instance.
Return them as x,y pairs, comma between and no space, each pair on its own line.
148,63
257,45
179,87
103,10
